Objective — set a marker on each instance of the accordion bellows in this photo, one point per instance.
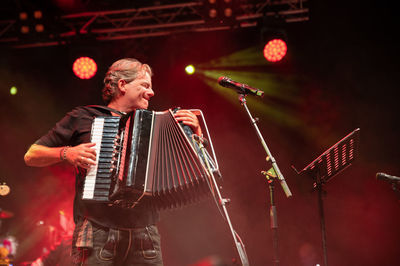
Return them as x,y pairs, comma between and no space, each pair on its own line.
144,155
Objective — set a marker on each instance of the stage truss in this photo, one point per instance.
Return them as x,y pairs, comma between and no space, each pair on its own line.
145,22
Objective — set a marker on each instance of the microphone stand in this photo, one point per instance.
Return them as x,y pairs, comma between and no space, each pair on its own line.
273,174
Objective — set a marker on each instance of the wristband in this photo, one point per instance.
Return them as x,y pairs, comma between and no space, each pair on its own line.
63,153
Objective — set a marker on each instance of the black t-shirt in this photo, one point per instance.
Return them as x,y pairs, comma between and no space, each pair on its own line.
75,129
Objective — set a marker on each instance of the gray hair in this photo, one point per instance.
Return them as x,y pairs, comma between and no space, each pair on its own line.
127,69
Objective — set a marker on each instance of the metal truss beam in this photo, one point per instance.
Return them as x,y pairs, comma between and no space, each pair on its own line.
150,21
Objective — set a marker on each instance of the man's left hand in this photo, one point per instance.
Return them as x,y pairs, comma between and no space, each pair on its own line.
190,119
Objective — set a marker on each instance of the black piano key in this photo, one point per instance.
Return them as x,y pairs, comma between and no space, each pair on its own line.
105,160
100,193
107,156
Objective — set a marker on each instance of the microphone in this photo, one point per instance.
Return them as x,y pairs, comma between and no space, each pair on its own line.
390,178
239,87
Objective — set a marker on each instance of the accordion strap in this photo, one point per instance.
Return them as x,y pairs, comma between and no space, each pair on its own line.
108,108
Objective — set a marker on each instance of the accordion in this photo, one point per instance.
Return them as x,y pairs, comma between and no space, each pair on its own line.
145,155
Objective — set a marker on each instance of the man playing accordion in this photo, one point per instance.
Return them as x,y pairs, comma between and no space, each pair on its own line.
106,235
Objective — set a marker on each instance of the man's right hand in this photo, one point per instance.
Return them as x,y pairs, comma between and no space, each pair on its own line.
83,155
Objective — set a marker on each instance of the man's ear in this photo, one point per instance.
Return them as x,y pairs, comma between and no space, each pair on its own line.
121,85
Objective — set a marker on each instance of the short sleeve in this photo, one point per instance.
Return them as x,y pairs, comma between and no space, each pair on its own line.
68,129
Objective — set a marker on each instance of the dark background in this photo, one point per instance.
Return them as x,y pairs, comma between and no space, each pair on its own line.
341,73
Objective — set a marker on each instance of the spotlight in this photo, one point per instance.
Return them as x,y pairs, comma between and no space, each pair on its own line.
228,12
212,13
190,69
37,14
23,16
275,50
273,38
24,29
84,67
39,28
13,90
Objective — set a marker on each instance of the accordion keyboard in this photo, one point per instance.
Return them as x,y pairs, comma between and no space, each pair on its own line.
98,178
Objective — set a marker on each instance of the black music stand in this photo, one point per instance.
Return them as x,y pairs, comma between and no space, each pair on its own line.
327,165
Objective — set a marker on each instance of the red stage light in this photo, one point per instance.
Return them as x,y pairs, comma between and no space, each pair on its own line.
275,50
84,67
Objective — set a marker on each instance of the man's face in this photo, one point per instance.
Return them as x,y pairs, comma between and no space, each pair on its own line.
139,92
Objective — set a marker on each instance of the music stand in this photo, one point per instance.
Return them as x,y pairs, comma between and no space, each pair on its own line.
327,165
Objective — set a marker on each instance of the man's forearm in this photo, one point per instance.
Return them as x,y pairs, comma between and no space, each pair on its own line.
39,155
